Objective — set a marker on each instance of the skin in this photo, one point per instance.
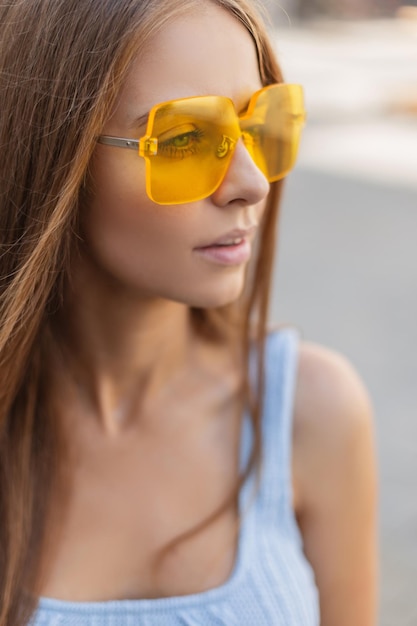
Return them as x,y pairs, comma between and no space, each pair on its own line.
138,376
150,410
335,485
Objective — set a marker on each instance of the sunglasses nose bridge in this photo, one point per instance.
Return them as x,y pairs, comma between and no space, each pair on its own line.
225,147
243,180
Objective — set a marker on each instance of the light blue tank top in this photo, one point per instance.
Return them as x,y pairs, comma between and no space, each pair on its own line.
272,584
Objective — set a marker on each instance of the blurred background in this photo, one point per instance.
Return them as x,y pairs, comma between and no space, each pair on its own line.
346,271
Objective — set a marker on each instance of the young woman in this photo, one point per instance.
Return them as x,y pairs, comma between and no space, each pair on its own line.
162,459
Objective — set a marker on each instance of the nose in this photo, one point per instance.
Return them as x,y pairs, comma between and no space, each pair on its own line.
243,183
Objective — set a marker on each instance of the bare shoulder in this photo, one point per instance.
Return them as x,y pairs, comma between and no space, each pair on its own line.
332,414
327,382
334,482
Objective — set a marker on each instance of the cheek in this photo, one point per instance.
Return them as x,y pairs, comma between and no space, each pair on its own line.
112,209
129,236
148,247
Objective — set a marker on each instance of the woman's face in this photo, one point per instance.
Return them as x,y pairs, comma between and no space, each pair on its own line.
156,250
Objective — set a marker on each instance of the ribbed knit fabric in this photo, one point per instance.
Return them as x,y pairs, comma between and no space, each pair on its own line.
272,584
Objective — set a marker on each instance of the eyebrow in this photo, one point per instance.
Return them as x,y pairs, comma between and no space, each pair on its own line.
139,121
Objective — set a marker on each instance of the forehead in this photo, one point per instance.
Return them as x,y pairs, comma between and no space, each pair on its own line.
203,52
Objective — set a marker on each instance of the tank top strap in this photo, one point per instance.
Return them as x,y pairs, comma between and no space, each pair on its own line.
281,361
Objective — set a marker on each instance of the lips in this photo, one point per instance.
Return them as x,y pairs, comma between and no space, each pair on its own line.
233,248
232,238
232,242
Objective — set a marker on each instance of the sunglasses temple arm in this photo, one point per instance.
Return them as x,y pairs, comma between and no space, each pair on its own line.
119,142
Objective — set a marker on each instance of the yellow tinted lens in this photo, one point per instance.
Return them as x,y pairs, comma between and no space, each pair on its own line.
271,128
194,143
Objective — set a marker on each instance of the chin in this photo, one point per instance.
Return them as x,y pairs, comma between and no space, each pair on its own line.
216,296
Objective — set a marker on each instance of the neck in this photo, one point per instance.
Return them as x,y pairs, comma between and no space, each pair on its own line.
122,349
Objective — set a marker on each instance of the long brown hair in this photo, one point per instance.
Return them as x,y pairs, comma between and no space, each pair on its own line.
62,63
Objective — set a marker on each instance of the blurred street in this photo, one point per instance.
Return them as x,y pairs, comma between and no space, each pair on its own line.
347,256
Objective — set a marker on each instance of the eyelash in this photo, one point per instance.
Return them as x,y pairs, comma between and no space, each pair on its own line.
168,149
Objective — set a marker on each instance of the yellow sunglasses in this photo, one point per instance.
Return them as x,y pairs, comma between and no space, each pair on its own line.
189,143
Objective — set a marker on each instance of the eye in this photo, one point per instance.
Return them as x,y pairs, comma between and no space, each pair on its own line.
180,142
